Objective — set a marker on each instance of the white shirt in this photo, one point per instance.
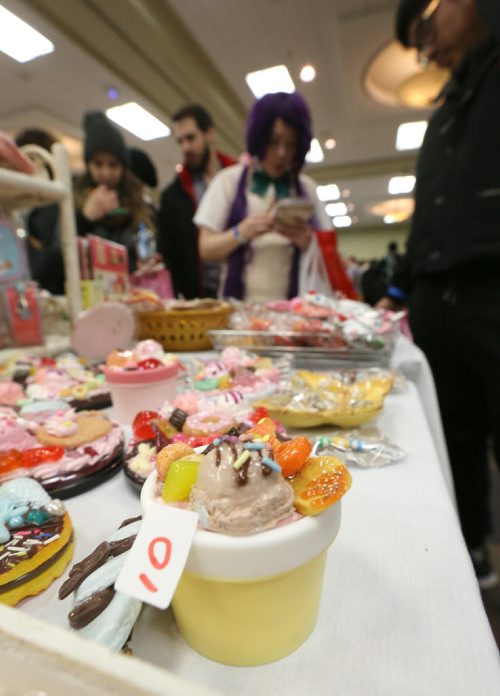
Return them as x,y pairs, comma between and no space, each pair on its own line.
267,275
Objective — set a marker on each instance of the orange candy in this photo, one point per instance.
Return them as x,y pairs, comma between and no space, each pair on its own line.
264,429
292,455
10,460
322,482
120,359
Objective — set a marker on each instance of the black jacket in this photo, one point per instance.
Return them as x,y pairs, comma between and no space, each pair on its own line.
178,239
457,196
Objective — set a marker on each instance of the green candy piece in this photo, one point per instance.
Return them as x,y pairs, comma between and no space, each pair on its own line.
206,384
37,516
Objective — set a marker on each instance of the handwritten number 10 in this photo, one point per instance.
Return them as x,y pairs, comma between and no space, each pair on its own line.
159,559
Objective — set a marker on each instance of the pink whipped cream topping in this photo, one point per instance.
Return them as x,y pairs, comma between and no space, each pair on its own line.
149,349
10,393
74,459
62,423
14,436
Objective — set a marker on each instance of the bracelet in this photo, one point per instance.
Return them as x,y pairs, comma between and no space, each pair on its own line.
237,235
396,293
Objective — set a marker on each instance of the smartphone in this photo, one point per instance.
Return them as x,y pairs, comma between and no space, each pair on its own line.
290,210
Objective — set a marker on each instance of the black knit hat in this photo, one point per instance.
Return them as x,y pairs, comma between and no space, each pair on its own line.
406,12
142,166
102,136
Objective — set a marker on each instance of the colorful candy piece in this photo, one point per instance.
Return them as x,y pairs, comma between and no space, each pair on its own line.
181,477
141,425
292,455
265,430
322,482
40,455
149,364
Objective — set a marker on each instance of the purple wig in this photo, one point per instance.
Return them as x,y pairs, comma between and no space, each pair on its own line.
293,110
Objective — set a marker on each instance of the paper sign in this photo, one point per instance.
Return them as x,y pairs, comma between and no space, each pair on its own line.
158,556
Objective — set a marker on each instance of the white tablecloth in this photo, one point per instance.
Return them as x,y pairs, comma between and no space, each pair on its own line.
410,360
401,613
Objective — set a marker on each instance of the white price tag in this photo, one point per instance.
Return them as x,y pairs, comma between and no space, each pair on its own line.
158,556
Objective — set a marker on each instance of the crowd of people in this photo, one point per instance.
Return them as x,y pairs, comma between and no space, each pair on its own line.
215,226
218,232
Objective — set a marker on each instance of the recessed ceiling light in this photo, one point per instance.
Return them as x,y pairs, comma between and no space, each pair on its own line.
410,135
330,144
395,209
270,80
346,193
328,192
315,153
19,40
342,221
401,184
350,207
307,73
333,209
138,121
112,93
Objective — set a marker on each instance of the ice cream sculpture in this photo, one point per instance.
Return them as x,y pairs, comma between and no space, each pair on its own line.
268,513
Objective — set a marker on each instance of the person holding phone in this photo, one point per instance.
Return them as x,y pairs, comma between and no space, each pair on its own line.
108,197
240,219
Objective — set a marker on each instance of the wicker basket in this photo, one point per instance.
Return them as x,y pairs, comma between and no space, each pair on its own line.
180,329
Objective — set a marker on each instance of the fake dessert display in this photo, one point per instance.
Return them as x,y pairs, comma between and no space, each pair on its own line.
153,430
82,386
145,375
268,513
36,540
67,454
345,399
236,373
11,393
314,321
99,612
65,377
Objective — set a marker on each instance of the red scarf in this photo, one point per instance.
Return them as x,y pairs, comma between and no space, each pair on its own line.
186,178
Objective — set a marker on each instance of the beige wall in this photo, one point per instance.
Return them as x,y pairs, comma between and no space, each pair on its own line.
367,244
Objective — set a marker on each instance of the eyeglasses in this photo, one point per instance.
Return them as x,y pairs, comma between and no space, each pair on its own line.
424,30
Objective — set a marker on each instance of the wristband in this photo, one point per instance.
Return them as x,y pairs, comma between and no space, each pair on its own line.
396,293
237,235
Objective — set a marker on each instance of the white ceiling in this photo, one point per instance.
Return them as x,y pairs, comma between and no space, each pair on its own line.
234,37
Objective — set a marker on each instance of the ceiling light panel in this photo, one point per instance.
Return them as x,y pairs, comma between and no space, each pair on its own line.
138,121
401,184
270,80
328,192
342,221
410,135
19,40
333,209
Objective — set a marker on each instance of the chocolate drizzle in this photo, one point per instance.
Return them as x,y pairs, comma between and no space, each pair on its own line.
90,608
242,473
178,418
92,562
130,520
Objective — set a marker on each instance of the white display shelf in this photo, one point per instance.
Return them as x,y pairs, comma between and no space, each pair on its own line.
19,191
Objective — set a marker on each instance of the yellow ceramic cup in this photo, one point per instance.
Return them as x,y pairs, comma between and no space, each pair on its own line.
254,599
